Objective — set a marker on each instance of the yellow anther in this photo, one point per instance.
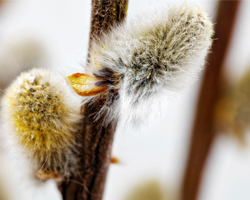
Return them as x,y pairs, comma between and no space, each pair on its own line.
97,64
148,75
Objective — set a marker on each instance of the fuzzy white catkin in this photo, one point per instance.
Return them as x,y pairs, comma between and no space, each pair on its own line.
41,114
149,57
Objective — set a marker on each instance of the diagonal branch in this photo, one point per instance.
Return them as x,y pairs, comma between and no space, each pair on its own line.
204,131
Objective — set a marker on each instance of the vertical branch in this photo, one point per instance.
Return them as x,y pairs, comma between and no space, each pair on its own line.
105,15
97,140
204,131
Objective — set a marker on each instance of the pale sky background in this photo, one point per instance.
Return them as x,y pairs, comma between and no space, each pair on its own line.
157,151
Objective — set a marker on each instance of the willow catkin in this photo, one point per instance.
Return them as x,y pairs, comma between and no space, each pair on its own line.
129,70
233,109
148,57
41,114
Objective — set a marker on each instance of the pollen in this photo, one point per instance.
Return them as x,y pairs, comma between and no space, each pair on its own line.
148,75
39,112
43,114
37,109
95,61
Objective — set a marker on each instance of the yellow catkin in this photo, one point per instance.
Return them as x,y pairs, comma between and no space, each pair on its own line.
42,112
34,115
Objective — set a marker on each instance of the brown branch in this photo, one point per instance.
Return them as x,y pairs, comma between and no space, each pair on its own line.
204,131
97,140
2,2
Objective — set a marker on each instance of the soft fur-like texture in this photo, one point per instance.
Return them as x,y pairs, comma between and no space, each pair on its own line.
147,58
41,114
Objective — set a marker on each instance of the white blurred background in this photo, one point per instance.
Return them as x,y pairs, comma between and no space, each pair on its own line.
54,34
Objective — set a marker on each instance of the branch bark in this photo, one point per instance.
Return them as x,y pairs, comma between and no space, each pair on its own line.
204,130
97,140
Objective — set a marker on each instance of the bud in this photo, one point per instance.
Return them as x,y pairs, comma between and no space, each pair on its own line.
42,113
149,57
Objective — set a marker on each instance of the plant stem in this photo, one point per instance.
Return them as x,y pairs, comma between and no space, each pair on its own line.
204,130
97,140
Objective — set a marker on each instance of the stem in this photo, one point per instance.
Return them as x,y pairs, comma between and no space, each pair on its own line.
97,140
2,2
204,130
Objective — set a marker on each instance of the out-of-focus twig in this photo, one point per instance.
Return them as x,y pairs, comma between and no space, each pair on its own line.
204,131
97,140
1,2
